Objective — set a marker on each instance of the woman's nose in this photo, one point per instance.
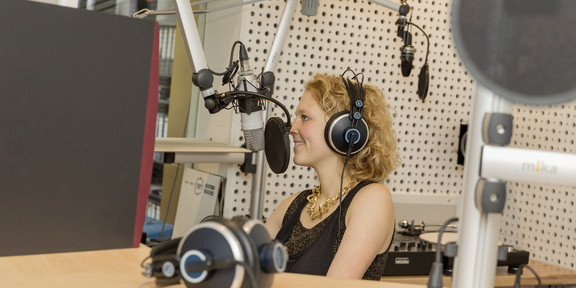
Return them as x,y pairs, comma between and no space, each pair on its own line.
293,128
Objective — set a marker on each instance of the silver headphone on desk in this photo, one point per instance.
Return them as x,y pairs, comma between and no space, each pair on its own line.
218,252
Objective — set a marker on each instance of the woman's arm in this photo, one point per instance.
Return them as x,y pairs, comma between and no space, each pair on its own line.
274,222
369,230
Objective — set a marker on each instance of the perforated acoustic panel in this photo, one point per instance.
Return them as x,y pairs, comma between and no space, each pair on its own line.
362,36
541,218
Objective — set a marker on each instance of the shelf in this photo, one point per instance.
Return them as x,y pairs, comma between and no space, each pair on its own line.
184,150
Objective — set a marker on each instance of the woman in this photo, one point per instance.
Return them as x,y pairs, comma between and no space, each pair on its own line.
353,242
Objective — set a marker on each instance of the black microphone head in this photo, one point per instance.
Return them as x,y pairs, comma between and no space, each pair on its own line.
407,57
404,10
423,82
277,144
212,105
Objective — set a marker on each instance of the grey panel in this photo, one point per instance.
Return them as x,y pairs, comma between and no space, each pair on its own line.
520,49
74,99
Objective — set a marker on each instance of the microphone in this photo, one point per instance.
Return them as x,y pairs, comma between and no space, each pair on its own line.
407,51
407,57
251,108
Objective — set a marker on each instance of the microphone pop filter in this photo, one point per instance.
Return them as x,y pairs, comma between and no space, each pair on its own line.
277,144
522,50
423,82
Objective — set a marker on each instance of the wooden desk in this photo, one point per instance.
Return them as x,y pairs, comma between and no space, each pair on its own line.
121,268
549,275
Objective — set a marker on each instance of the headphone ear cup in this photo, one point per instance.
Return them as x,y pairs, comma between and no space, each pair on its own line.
338,133
236,225
217,239
272,255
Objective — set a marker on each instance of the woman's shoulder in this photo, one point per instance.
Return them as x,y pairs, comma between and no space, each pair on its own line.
374,188
372,194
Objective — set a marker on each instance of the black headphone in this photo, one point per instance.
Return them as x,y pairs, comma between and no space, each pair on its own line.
219,252
348,126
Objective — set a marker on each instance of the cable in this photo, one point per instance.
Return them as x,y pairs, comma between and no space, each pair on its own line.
359,90
249,94
225,264
427,40
519,273
435,279
248,271
231,64
348,153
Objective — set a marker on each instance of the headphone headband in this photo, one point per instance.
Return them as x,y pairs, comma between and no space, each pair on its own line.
356,93
347,130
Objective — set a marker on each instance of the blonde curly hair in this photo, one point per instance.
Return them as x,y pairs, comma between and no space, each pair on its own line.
379,157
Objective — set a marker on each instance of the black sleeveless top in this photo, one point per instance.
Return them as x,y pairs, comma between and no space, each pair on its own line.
311,251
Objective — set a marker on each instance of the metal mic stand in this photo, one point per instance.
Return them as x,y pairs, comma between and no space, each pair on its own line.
198,62
488,165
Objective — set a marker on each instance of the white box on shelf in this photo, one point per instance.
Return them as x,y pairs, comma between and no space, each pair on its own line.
198,199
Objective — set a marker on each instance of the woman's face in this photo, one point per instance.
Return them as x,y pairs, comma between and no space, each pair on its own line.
310,148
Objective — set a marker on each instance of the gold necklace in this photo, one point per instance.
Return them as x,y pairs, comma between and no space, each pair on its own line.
323,208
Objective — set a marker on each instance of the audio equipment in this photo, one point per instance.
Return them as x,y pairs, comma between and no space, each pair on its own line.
347,129
218,252
423,81
407,51
277,144
251,114
411,255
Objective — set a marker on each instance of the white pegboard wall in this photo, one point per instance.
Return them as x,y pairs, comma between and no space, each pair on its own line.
362,35
542,218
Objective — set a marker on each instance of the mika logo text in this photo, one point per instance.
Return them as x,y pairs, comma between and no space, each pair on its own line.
539,166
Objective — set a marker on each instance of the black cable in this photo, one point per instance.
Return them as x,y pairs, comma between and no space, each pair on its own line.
225,264
348,153
248,271
250,94
211,266
230,63
427,41
359,92
169,201
519,273
160,258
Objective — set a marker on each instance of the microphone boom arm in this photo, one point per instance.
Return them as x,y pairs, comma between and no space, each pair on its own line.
203,78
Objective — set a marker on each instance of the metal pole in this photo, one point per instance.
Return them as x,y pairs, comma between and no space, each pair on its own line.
478,232
259,179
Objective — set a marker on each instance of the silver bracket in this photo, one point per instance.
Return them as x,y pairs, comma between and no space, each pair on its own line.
490,196
497,128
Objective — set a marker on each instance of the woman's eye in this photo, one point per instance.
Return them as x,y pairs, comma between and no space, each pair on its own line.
304,117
